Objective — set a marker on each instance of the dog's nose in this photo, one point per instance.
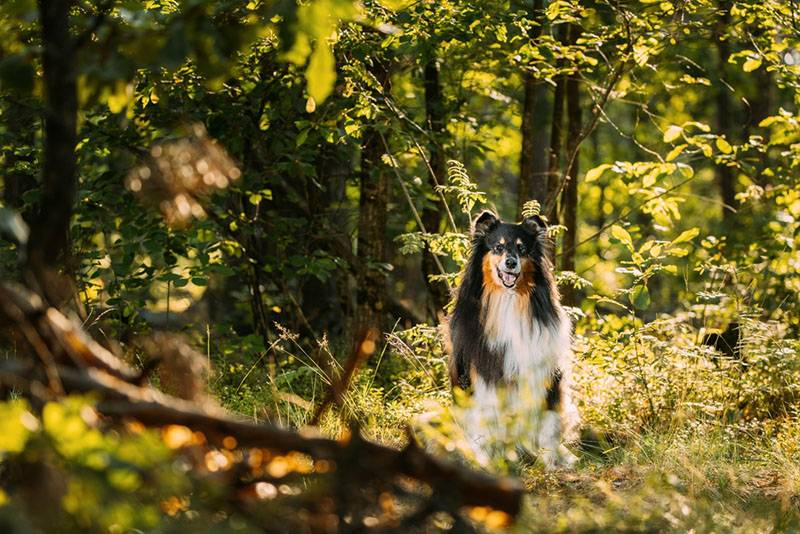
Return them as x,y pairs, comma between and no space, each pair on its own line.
511,263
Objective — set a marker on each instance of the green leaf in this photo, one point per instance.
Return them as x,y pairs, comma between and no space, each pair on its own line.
751,64
640,297
15,425
622,235
770,120
321,72
641,53
688,235
675,152
703,127
724,146
300,49
301,138
672,133
686,170
597,172
121,97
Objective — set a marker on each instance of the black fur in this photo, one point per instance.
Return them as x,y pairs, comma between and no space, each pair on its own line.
470,352
554,391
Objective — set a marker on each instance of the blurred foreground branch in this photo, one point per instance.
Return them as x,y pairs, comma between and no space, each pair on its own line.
68,356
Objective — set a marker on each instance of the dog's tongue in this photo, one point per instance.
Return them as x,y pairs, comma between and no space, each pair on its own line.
508,278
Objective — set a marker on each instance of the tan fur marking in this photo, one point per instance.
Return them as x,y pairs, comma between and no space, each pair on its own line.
525,282
490,282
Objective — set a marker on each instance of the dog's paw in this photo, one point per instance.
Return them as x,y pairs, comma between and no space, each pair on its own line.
559,459
566,459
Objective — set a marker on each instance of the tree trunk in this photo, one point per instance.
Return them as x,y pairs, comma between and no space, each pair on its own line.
324,302
49,233
570,193
373,203
533,162
725,177
432,214
762,105
554,154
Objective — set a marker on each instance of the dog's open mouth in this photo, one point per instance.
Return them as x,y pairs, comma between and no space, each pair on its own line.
508,279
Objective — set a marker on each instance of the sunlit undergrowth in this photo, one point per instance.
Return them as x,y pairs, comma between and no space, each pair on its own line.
398,384
697,477
677,435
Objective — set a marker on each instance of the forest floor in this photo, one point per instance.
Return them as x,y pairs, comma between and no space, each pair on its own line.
701,478
663,482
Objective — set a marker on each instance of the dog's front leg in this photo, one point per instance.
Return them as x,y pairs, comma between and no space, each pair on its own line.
551,451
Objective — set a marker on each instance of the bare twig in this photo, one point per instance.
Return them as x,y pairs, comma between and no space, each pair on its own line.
365,347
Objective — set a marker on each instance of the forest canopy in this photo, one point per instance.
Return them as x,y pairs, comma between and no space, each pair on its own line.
231,232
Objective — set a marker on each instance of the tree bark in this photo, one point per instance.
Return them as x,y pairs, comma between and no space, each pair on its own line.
325,302
432,214
570,193
373,204
533,162
725,177
49,234
556,141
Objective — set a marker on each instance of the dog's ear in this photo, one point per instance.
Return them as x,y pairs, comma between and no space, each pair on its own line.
484,223
534,224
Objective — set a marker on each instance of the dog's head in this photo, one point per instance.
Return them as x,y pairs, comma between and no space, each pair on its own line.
512,253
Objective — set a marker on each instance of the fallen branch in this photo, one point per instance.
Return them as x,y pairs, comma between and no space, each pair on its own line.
60,335
150,407
89,368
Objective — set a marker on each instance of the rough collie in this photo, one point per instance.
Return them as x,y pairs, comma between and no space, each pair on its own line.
510,343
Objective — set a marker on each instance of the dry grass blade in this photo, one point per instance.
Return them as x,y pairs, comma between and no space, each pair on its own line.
363,350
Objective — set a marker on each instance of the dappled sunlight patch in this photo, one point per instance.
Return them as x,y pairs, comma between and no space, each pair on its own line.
493,519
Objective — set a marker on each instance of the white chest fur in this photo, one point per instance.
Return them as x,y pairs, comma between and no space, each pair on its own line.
531,349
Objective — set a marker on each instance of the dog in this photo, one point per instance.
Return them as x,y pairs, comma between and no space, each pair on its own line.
510,343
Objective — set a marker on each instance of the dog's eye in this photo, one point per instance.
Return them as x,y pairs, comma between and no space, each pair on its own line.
522,249
498,248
